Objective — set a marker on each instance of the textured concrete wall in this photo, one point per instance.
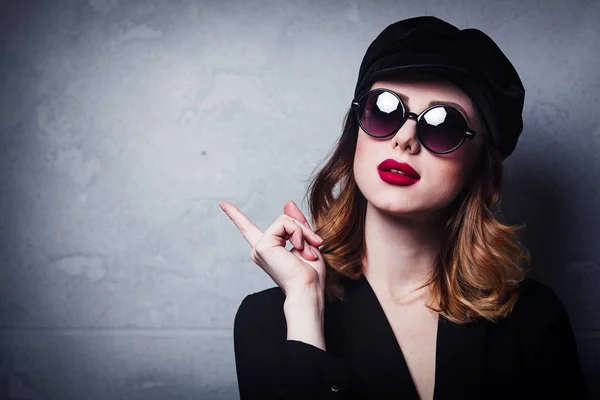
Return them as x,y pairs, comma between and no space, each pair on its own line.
123,123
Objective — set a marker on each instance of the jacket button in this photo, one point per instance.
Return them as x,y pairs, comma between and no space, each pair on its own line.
335,388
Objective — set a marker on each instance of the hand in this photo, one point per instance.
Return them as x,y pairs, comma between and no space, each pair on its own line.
293,271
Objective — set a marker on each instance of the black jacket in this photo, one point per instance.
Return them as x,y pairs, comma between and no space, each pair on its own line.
532,354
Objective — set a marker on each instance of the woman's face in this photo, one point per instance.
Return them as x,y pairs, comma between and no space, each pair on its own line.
442,176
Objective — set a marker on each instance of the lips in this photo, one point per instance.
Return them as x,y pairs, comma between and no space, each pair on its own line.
390,164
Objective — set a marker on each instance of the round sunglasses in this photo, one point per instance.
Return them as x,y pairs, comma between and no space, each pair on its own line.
441,128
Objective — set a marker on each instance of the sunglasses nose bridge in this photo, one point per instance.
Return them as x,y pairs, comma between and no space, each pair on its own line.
413,134
411,115
408,115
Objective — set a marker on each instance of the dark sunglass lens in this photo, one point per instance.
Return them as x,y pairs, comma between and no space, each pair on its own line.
442,128
381,113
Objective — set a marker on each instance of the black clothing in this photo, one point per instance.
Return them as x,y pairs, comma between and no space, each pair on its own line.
532,354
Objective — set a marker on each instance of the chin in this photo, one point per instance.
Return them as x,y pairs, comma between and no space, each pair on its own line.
397,206
404,204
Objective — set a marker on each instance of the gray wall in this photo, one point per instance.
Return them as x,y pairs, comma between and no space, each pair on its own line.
122,124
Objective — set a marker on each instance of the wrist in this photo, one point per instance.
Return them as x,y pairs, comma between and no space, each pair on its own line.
305,318
304,293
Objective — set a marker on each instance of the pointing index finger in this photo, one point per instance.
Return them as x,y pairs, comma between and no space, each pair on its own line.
250,231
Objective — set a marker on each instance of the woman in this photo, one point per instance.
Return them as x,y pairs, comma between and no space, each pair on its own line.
409,287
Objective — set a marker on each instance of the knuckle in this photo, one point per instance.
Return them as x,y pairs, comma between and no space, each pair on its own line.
292,219
259,249
254,254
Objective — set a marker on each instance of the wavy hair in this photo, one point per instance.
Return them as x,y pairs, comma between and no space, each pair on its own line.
480,264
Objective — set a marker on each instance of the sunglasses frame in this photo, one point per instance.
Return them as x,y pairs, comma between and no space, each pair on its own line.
468,133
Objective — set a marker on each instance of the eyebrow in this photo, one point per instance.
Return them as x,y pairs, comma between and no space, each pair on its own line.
405,98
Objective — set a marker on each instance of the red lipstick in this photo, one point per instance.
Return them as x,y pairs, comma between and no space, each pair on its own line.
397,173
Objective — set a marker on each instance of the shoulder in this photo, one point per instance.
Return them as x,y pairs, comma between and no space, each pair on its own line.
267,300
546,340
538,307
537,315
536,298
262,310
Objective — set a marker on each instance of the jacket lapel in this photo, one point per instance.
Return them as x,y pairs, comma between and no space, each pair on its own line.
377,360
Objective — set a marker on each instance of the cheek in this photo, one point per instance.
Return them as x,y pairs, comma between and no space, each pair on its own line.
359,149
443,187
458,165
467,160
449,175
361,154
364,161
360,144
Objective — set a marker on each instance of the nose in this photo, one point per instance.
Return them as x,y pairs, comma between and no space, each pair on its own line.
402,138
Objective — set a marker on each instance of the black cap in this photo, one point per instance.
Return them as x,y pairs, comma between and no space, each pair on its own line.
468,58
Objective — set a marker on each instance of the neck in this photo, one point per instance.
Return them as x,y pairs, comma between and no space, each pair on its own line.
400,250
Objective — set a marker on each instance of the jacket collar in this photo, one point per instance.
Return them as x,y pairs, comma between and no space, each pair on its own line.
376,357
